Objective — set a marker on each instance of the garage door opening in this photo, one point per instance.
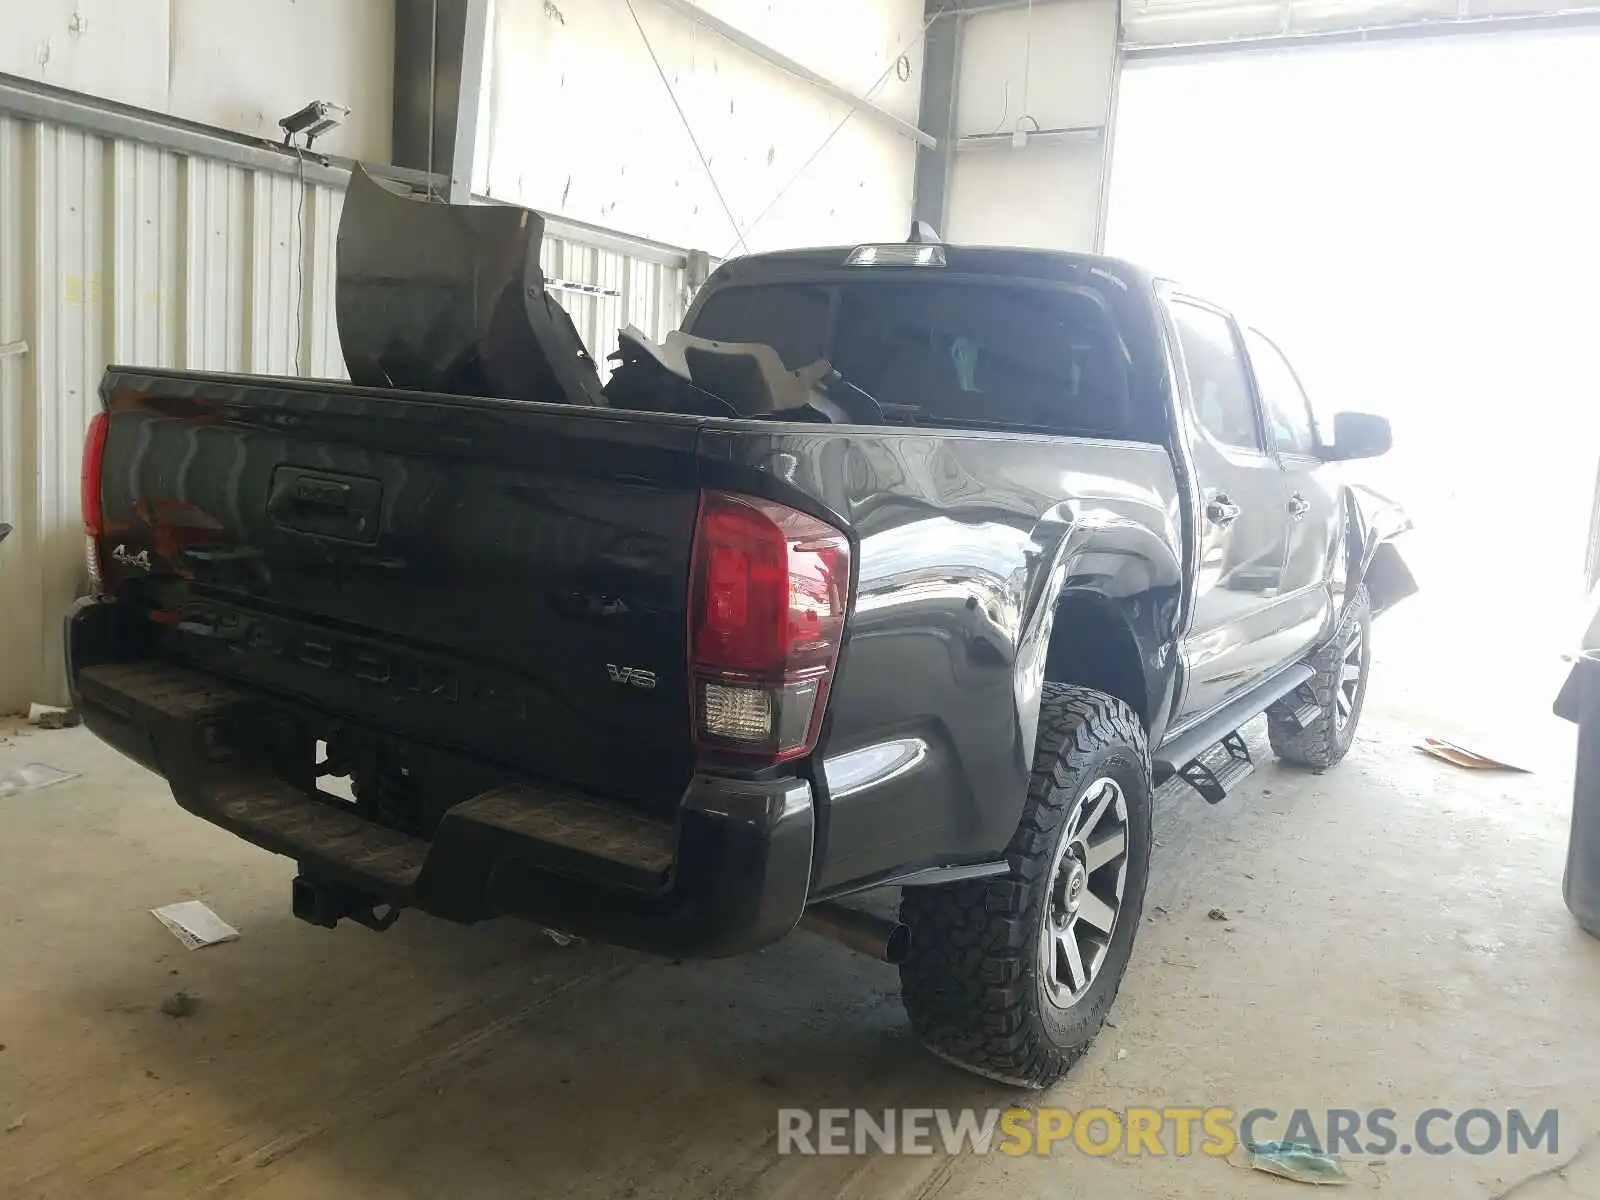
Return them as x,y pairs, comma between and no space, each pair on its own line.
1414,223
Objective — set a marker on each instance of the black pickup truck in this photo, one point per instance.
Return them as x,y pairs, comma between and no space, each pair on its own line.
680,662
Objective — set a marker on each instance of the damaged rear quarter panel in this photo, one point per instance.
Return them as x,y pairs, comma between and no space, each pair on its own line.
963,544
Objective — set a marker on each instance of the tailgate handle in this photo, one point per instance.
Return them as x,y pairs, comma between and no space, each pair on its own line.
320,493
324,505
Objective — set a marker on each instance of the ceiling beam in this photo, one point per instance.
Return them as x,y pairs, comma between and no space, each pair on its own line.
941,67
967,8
439,51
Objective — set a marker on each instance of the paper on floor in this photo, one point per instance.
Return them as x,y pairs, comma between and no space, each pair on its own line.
32,776
194,924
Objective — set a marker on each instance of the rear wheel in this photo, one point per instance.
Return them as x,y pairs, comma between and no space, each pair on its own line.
1012,977
1339,689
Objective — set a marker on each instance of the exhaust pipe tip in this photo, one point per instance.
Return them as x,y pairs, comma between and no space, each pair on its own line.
898,944
866,933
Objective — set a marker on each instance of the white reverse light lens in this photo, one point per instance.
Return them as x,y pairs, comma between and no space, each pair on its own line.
740,713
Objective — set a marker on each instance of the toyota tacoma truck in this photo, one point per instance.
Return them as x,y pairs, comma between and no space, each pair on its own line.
906,565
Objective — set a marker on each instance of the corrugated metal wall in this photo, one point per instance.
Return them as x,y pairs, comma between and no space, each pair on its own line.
604,290
115,251
111,251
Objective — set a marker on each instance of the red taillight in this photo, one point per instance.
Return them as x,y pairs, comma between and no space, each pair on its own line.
94,453
767,610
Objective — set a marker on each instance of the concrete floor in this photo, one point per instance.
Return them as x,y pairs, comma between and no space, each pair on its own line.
1395,938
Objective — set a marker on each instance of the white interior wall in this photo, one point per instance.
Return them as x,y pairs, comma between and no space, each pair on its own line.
1057,65
578,122
237,64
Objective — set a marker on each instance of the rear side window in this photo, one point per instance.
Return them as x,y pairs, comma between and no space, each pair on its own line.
1219,381
961,354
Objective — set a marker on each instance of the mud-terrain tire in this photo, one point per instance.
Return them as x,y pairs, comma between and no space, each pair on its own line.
988,981
1338,689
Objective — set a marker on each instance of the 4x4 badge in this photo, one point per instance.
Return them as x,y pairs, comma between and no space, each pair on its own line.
140,560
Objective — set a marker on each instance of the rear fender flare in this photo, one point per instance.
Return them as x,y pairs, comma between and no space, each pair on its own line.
1127,570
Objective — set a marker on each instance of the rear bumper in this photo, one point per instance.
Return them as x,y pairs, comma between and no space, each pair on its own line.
730,874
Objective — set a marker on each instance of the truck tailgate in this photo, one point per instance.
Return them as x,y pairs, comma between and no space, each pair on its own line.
501,578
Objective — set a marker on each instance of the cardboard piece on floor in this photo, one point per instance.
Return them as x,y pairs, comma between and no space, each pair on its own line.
1460,756
194,924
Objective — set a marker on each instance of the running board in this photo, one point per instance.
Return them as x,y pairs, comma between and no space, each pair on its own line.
1181,749
1219,770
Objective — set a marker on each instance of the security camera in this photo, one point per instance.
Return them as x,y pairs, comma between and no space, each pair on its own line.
314,120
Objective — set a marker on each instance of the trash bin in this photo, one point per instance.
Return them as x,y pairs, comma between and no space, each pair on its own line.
1580,702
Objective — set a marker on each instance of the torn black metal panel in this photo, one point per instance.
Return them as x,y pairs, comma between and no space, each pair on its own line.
726,379
647,379
450,298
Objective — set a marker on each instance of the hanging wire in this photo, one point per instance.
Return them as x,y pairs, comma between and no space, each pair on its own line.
1027,62
299,258
687,128
853,109
433,88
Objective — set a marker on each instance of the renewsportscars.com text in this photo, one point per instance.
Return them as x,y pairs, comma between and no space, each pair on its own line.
1169,1130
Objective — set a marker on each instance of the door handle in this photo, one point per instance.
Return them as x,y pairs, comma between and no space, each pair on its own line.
1299,506
1222,511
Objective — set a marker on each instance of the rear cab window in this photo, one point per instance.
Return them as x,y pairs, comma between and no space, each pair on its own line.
971,353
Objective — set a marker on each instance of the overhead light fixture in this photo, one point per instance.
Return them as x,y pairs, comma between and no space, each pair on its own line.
314,120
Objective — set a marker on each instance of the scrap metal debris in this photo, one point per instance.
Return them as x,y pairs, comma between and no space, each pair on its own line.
48,716
182,1003
701,377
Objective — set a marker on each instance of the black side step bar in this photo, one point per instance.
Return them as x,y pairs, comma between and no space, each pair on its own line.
1214,774
1181,754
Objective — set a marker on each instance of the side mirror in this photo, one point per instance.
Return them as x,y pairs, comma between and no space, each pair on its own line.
1358,435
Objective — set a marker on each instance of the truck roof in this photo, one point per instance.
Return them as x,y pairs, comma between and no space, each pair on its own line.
1016,261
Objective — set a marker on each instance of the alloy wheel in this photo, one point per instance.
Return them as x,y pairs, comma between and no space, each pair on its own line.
1085,896
1351,665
